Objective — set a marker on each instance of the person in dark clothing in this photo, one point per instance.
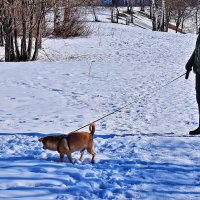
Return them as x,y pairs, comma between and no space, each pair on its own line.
194,63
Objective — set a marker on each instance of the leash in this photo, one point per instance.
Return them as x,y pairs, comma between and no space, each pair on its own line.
170,82
121,108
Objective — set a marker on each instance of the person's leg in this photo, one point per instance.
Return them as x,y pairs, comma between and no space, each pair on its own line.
197,131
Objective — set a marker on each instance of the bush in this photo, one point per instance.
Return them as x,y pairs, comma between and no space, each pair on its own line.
72,25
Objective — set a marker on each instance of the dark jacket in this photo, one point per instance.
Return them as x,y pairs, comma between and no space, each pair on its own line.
194,60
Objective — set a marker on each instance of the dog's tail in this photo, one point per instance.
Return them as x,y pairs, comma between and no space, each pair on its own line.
92,128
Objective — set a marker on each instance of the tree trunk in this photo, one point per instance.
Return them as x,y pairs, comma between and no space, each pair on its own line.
167,22
57,18
9,48
16,41
154,16
163,17
196,20
24,31
150,14
177,26
95,15
1,36
37,40
114,15
1,25
142,5
178,21
182,24
30,38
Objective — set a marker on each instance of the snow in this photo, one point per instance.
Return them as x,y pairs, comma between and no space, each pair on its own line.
143,152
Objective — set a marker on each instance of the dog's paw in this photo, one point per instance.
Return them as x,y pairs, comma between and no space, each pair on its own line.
92,162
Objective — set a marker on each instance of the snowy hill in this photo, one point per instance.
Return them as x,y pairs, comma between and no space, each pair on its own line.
143,152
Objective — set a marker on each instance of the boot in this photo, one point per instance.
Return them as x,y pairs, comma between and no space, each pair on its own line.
195,132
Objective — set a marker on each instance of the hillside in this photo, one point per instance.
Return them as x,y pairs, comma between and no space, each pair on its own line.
143,152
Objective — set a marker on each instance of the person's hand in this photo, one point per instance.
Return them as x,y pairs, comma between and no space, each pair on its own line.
188,67
187,74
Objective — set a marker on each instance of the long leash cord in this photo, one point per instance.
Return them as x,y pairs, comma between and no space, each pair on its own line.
121,108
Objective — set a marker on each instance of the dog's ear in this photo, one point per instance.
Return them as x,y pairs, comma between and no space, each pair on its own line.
40,139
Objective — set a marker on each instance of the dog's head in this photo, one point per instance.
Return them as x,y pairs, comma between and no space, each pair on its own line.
44,142
48,142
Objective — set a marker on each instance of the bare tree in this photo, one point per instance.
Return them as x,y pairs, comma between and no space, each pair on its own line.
22,22
22,25
162,23
196,5
142,4
114,12
181,11
158,15
1,25
1,35
169,8
7,22
94,5
57,15
154,8
130,4
197,16
72,23
163,11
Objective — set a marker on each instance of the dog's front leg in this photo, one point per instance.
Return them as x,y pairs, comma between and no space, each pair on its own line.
61,157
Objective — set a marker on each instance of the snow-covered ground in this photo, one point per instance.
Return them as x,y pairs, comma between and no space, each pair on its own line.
143,152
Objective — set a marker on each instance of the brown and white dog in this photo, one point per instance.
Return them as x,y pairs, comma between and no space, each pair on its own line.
67,144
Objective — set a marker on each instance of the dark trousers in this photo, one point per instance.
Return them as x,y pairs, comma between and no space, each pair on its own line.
198,92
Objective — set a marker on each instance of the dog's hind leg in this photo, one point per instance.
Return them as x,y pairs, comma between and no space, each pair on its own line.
92,152
93,155
82,152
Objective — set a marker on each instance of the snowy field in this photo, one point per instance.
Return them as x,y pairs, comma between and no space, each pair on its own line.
143,152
